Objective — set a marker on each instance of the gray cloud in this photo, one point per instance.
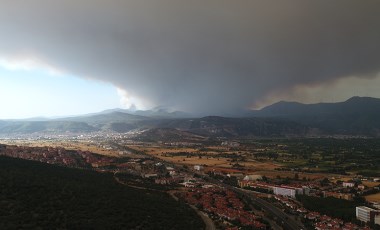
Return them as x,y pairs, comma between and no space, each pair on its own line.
212,56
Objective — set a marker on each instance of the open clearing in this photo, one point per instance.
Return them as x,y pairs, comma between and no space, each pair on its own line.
371,184
373,197
211,157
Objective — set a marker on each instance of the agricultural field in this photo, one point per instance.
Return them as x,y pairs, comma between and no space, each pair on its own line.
319,155
373,197
371,184
337,159
212,156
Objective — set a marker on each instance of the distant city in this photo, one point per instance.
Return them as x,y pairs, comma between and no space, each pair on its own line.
233,181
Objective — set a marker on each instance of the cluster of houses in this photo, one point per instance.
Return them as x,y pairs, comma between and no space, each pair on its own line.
217,202
43,154
345,190
223,204
320,222
327,223
180,144
59,156
230,144
95,160
342,190
160,173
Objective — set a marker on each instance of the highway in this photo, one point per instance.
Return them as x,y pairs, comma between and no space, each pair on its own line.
286,221
282,218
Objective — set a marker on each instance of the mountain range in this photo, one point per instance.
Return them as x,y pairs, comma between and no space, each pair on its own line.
356,116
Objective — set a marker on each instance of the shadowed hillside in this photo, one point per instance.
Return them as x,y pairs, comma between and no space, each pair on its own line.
39,196
356,116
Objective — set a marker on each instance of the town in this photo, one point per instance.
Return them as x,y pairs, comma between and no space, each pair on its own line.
234,184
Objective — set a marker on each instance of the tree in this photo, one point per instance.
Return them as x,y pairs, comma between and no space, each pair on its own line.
296,176
325,182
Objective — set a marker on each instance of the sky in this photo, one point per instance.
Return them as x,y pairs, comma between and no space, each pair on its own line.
209,57
36,93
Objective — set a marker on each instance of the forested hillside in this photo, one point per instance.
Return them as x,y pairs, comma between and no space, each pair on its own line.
36,195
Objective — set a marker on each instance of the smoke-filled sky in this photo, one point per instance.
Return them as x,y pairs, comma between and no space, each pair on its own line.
203,56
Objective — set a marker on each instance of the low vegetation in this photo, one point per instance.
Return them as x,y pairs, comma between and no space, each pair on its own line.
331,206
36,195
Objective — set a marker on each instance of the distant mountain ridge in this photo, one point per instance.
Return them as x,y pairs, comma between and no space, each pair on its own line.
103,118
29,127
157,112
355,116
354,104
215,126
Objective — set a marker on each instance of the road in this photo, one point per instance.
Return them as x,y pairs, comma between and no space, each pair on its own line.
206,219
287,222
282,218
208,222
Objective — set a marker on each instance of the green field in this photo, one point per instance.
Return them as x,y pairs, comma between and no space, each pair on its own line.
331,155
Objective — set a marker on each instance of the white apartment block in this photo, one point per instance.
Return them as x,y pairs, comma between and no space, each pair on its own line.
348,184
366,214
287,191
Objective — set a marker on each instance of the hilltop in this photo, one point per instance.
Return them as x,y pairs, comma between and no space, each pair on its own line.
38,195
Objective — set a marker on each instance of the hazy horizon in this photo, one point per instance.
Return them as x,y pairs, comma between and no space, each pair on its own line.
132,110
205,57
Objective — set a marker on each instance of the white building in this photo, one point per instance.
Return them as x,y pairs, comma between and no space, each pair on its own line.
348,184
252,177
377,218
230,144
198,167
366,214
287,191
